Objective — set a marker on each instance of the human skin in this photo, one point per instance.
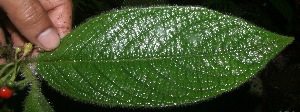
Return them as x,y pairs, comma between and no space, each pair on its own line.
41,22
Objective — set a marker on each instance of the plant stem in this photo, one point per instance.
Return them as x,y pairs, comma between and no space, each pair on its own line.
31,77
23,83
8,74
5,67
16,69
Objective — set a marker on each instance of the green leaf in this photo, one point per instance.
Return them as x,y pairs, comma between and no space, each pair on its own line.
158,56
35,101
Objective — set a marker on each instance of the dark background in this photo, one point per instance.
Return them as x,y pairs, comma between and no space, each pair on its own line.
275,88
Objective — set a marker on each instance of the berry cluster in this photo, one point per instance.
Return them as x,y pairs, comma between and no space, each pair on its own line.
8,73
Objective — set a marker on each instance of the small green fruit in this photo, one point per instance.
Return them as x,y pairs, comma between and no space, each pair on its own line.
10,84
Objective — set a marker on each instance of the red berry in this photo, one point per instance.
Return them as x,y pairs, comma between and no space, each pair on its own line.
5,92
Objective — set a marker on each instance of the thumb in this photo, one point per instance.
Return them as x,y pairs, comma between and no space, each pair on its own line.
32,21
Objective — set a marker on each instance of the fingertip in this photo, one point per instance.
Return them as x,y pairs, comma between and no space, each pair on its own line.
49,39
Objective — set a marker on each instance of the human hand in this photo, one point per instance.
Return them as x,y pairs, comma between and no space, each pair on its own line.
41,22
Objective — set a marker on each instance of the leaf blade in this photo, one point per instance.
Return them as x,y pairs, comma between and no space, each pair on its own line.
158,56
35,101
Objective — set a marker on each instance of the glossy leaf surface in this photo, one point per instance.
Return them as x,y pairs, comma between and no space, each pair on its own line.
158,56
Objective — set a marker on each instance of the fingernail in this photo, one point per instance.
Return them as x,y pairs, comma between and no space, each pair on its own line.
49,39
